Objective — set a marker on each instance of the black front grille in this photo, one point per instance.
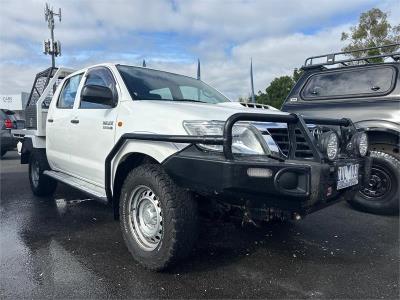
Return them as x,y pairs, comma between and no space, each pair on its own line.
281,137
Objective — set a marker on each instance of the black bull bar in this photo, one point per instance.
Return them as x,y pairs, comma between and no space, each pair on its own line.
293,121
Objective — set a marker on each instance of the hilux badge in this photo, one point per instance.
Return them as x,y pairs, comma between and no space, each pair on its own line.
108,124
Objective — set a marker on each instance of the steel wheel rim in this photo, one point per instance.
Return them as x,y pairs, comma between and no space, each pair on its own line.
379,184
35,173
145,218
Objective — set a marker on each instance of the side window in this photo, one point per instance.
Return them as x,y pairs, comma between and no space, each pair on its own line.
103,77
350,83
68,92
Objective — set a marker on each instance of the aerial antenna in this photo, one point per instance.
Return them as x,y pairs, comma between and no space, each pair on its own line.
253,99
198,78
198,70
50,46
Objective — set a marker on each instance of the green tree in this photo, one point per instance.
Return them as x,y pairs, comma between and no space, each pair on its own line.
277,91
372,30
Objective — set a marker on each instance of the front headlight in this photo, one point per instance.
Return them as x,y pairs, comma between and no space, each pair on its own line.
245,138
360,143
329,144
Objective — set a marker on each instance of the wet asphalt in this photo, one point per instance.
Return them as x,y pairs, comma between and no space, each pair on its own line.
69,246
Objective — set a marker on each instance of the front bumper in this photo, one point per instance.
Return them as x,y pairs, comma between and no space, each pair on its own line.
293,185
308,184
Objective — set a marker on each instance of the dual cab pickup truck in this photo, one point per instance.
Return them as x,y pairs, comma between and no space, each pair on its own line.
160,147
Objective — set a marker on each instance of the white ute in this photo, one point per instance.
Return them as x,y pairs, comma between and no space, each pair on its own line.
159,146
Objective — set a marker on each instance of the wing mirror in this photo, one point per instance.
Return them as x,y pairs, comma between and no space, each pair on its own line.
98,94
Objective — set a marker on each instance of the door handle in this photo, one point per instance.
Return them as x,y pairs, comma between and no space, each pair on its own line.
74,121
50,120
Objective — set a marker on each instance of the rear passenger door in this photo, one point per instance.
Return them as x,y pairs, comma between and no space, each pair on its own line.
58,127
93,130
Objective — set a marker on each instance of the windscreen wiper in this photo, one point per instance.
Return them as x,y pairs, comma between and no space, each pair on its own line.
189,100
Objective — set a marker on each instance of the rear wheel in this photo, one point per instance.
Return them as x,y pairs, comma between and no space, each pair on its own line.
41,184
381,194
158,219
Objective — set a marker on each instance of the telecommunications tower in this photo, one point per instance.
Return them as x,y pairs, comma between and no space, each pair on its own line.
50,46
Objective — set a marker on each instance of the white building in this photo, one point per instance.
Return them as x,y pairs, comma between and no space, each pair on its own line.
15,102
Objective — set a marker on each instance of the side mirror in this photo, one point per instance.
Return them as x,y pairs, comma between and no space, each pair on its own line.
98,94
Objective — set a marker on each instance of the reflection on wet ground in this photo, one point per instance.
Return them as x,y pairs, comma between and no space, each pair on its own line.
70,246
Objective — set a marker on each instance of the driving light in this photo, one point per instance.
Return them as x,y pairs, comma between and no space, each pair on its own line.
259,172
329,144
245,138
360,142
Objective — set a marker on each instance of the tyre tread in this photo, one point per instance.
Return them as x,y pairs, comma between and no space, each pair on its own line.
389,207
181,213
47,185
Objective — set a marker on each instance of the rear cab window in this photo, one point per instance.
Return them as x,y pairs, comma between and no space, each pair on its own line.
4,115
357,82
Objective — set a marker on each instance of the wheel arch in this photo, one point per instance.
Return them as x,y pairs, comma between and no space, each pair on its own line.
382,132
127,155
127,163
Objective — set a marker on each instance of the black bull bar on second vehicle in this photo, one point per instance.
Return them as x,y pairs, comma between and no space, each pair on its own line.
293,121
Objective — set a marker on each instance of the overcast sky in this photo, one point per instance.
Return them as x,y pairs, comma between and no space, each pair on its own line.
172,34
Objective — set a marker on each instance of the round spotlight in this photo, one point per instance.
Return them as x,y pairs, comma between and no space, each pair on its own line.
360,143
329,144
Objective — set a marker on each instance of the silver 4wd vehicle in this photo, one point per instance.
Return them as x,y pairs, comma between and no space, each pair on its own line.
369,94
160,147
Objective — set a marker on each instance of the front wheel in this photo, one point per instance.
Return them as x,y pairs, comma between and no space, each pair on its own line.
158,219
381,194
41,184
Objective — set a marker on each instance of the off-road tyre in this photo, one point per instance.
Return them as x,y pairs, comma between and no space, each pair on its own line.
388,203
179,217
41,185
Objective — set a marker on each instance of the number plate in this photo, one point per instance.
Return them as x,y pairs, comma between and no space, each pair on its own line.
347,176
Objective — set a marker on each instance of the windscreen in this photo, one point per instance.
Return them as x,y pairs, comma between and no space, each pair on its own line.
343,83
147,84
6,114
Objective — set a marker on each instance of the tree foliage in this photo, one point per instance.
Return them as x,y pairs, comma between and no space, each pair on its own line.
275,94
372,30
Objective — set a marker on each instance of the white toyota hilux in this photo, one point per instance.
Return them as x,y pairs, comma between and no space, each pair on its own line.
161,147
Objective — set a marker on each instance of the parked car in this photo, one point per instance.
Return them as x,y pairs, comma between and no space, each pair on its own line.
7,122
369,94
160,146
